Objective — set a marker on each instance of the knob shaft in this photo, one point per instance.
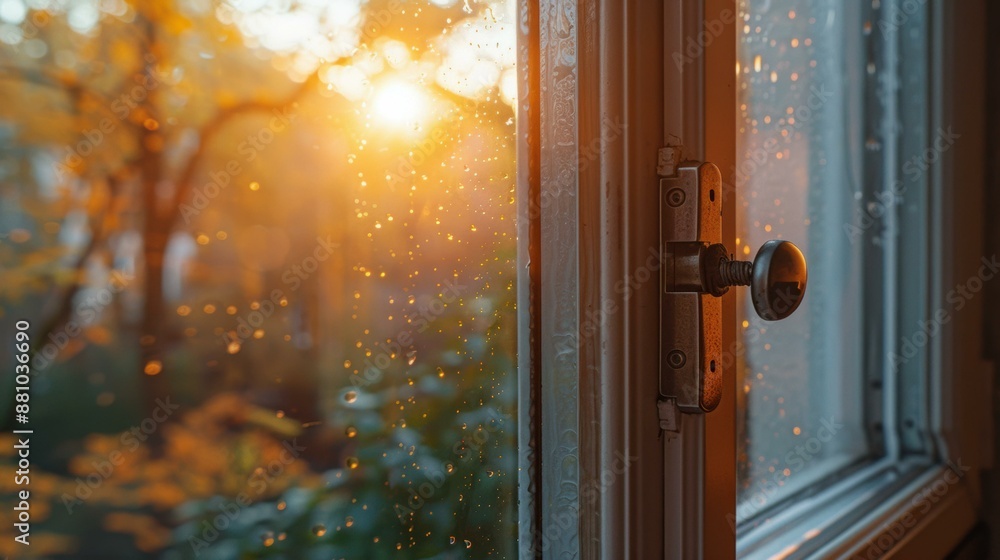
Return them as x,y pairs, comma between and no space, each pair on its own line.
777,277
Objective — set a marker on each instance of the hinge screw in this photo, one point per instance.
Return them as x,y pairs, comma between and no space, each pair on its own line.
676,359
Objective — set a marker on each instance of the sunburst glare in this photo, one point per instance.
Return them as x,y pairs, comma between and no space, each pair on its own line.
399,104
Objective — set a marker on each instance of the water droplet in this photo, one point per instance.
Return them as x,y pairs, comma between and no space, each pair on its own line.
350,396
411,357
319,530
352,462
450,468
282,505
351,431
153,367
349,521
267,538
468,543
451,539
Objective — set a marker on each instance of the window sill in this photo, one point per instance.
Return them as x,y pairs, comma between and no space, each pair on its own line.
884,509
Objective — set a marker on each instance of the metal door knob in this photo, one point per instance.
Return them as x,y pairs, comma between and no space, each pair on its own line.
777,277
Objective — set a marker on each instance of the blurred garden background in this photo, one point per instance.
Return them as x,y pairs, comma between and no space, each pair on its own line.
266,249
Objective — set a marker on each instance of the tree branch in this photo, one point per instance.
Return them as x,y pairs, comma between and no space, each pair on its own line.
213,126
64,311
72,87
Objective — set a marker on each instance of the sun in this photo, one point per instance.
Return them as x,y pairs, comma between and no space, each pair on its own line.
399,104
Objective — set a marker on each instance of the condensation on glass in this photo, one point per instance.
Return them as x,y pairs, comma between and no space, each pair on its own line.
800,380
336,315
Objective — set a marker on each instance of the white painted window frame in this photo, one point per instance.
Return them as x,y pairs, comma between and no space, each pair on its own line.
600,94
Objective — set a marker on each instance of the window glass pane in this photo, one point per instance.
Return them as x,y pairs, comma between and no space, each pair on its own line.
802,80
267,252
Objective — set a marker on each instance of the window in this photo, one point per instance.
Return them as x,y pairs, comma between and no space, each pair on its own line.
803,70
378,278
267,252
840,153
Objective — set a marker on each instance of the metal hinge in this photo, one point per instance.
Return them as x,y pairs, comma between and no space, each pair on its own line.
697,270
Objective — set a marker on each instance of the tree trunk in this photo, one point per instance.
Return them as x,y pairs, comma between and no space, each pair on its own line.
156,230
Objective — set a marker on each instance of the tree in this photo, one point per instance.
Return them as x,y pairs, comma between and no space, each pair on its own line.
147,114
